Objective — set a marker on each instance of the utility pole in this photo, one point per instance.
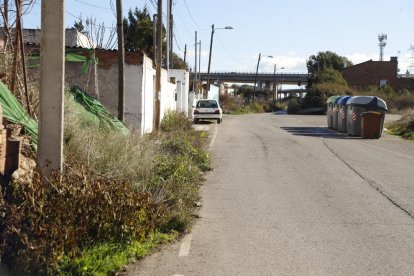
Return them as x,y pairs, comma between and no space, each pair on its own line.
168,36
171,34
121,60
255,76
154,37
52,64
157,92
209,58
199,64
274,87
195,64
185,53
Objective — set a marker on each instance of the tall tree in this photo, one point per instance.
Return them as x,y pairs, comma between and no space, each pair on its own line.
326,60
139,35
138,31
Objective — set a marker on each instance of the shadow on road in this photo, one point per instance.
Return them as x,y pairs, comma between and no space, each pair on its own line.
316,132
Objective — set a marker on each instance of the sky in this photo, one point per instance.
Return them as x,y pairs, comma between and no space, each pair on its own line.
289,30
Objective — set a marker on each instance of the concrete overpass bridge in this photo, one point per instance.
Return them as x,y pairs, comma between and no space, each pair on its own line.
249,77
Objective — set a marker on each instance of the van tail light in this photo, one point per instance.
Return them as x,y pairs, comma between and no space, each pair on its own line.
217,111
196,111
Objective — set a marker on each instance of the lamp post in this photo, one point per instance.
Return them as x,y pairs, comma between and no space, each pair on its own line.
211,47
255,76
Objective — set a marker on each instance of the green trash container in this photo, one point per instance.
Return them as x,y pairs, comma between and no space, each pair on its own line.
330,110
356,106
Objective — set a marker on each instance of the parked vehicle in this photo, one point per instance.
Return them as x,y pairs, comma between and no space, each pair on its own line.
208,110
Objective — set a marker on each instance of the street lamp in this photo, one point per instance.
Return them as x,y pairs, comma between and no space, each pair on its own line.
211,47
255,76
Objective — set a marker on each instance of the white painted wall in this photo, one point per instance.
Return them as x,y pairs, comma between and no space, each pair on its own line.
183,87
148,96
213,94
168,91
133,96
139,93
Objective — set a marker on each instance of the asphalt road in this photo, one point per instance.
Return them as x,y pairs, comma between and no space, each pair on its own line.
289,197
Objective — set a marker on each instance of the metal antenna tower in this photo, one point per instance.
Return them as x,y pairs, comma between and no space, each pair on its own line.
412,58
382,43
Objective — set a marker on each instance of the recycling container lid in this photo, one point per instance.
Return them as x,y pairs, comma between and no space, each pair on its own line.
368,101
342,100
332,99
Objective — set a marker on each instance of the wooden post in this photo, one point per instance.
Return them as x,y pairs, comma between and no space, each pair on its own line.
121,60
23,56
157,92
52,65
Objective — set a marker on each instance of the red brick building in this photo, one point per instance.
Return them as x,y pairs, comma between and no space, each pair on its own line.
377,73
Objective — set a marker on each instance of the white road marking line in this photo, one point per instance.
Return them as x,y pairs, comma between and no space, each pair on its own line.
185,246
213,139
178,275
390,151
375,147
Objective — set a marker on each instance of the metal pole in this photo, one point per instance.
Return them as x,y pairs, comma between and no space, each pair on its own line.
255,76
121,60
199,64
274,87
195,64
209,58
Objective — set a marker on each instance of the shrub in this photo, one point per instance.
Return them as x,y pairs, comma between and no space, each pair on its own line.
293,106
404,127
46,221
397,102
318,94
256,107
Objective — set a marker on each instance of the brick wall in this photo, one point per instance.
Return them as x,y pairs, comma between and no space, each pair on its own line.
373,72
106,58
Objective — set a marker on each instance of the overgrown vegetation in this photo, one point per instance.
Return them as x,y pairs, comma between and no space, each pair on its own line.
119,196
404,127
237,106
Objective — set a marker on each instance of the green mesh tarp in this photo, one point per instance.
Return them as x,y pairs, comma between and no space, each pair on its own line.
71,56
15,113
93,106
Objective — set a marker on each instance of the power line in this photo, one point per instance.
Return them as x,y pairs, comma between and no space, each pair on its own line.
92,5
176,43
228,52
93,24
192,18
